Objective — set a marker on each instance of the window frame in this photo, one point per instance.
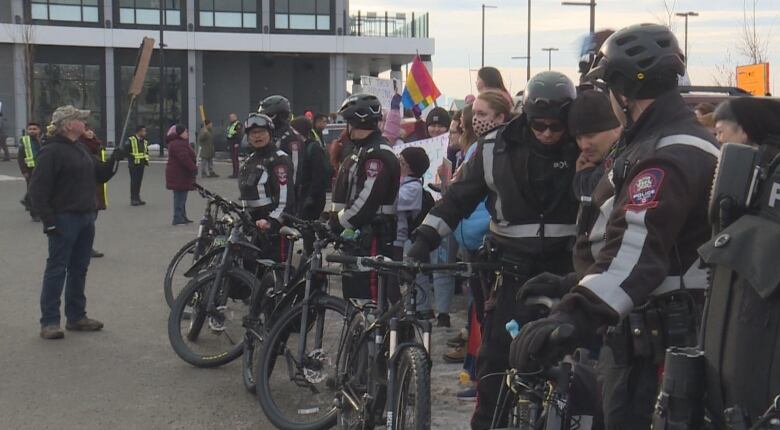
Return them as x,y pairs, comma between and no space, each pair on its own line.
219,29
274,29
181,26
28,12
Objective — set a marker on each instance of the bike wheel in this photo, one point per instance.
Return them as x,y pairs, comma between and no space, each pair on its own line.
300,397
174,280
260,317
353,368
413,396
209,340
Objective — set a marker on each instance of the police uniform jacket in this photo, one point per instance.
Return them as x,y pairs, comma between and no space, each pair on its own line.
652,213
531,203
265,184
367,183
292,143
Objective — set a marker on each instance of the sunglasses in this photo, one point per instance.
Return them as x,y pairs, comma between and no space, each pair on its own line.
540,126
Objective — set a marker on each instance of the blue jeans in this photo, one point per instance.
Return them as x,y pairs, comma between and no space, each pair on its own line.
444,283
66,267
179,206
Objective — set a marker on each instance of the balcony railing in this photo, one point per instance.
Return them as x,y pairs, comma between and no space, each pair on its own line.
388,25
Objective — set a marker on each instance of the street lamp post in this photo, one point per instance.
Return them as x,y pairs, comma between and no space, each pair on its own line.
549,56
484,6
162,79
592,5
528,47
686,15
524,57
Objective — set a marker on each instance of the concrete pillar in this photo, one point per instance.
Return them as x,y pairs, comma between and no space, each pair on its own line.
265,16
20,86
395,72
192,94
110,115
338,81
17,8
339,7
108,12
199,97
190,13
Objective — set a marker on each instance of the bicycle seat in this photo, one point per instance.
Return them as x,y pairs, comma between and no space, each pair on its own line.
290,233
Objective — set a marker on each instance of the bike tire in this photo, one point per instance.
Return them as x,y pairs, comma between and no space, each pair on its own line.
413,396
274,351
261,312
192,297
353,371
170,271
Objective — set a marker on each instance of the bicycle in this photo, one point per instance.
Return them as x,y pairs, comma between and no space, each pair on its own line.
212,233
219,297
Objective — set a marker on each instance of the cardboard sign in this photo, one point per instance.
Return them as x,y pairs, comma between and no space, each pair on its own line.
383,89
754,78
435,148
141,66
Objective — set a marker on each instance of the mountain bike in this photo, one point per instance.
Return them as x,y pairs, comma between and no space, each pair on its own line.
212,232
205,325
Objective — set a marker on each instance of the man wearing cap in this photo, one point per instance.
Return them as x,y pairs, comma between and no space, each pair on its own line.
62,190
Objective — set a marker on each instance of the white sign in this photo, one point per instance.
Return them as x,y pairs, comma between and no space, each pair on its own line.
435,147
383,89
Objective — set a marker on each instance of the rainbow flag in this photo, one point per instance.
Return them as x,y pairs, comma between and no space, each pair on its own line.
420,89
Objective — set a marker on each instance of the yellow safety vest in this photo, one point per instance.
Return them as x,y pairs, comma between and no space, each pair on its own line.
231,132
29,157
139,156
104,187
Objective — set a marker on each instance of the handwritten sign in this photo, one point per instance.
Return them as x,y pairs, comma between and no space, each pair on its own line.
435,148
383,89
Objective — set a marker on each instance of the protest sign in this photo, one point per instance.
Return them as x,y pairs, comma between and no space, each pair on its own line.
383,89
435,147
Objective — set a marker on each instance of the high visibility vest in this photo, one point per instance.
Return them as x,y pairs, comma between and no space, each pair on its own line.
29,156
104,187
139,155
232,130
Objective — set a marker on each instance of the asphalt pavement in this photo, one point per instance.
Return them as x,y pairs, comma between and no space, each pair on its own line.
126,376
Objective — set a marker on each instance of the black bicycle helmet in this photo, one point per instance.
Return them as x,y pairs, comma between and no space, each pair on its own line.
256,120
639,62
362,111
548,95
275,105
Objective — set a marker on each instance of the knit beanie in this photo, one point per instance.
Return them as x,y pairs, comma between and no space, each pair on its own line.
591,112
438,115
417,160
759,118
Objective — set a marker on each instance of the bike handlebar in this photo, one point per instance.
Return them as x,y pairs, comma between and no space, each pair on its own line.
380,262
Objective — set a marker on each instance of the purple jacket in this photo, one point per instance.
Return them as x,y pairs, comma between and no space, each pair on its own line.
181,168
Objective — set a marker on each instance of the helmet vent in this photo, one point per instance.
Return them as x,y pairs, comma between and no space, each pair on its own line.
664,43
627,39
633,51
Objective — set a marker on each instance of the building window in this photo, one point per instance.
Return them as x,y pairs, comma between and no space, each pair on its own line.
228,13
65,10
147,12
302,15
79,85
146,109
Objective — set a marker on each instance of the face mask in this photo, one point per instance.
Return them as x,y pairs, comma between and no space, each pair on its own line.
481,126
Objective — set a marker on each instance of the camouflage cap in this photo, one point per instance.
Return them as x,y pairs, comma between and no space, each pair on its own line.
68,112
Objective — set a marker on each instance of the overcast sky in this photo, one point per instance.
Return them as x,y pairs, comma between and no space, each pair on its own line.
713,36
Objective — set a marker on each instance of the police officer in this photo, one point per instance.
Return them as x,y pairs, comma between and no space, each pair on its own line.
29,146
645,278
285,137
525,169
234,136
265,180
742,319
137,161
366,189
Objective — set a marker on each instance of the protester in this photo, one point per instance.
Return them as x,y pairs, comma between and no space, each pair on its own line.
3,138
62,191
747,122
489,78
234,134
180,171
137,161
413,162
320,122
206,148
29,147
420,130
98,150
392,127
315,172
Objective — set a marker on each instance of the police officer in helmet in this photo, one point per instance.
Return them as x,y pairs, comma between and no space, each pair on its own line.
742,320
265,180
366,189
285,137
525,169
646,283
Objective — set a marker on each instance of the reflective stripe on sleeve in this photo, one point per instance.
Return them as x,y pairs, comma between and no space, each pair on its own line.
438,224
533,230
688,140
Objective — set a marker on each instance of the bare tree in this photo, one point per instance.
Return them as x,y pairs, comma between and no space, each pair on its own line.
666,17
752,45
725,73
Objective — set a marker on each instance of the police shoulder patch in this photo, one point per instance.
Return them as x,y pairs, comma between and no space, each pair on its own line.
373,168
281,174
644,189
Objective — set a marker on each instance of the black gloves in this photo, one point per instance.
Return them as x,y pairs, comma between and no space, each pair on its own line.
395,102
544,342
51,230
334,224
420,251
120,153
547,285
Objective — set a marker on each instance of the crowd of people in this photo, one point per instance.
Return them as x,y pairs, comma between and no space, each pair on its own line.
594,194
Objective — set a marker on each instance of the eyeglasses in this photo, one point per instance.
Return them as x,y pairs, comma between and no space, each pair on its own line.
540,126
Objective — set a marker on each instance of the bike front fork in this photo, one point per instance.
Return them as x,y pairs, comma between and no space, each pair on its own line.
392,363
